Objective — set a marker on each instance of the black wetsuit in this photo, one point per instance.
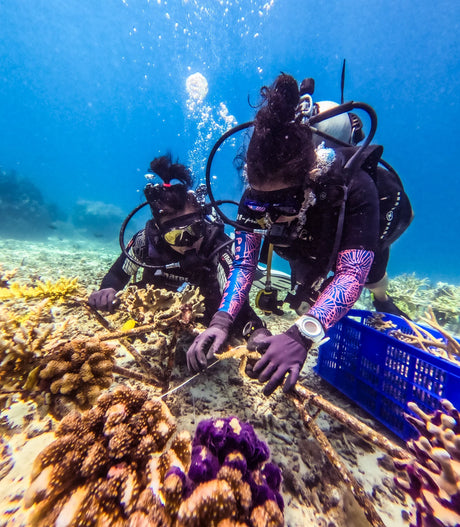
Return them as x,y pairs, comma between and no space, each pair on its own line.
207,269
376,213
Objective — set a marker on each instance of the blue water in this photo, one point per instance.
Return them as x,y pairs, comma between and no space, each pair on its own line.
91,91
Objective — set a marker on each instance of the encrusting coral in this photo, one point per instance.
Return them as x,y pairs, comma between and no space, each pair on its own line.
123,463
432,477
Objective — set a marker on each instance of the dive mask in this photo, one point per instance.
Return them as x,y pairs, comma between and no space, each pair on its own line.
184,231
275,203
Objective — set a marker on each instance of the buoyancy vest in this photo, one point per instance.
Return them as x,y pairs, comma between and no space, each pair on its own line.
313,255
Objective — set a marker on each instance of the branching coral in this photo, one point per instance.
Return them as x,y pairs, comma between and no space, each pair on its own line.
445,345
32,355
151,305
415,295
106,464
433,476
122,463
173,317
446,303
55,291
240,352
230,478
77,370
6,276
410,293
22,342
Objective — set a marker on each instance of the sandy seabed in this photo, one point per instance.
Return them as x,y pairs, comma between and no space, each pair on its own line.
313,492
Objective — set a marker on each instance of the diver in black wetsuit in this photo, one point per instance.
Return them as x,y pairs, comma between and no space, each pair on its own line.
332,213
179,244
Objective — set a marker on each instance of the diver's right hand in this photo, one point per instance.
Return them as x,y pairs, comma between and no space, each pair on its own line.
103,299
209,342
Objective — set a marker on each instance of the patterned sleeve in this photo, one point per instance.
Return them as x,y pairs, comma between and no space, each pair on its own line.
241,275
352,268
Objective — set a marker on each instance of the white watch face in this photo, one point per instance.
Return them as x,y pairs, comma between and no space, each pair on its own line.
311,328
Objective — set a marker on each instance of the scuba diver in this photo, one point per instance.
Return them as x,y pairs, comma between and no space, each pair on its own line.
325,206
181,243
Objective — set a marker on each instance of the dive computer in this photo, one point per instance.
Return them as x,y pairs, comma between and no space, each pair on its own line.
310,327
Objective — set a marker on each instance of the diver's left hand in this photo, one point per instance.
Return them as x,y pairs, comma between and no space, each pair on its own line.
286,353
208,343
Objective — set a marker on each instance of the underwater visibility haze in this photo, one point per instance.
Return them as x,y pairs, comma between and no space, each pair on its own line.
90,92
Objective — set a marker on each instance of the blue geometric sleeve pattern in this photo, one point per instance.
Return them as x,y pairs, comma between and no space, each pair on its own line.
337,299
241,275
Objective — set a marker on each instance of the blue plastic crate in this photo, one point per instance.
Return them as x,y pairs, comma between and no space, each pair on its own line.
382,374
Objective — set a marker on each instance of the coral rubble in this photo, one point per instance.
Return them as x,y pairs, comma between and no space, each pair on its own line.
432,477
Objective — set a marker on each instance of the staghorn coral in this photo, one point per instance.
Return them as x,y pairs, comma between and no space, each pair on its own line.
410,293
445,345
105,466
415,295
55,291
240,352
445,303
77,370
432,477
22,342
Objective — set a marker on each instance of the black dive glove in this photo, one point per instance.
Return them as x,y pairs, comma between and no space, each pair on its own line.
285,353
103,299
209,342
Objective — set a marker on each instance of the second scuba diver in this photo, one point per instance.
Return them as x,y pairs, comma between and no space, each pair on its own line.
321,209
181,243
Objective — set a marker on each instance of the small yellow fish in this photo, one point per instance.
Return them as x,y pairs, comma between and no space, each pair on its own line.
130,324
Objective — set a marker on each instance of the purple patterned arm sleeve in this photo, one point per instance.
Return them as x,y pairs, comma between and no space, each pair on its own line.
352,268
241,275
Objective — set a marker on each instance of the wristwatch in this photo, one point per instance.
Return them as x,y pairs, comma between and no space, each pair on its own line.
310,327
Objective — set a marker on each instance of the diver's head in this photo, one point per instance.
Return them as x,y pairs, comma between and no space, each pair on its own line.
173,194
184,230
281,150
174,206
346,127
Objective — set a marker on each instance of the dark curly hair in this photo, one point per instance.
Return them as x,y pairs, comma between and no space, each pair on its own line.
168,197
177,196
281,148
